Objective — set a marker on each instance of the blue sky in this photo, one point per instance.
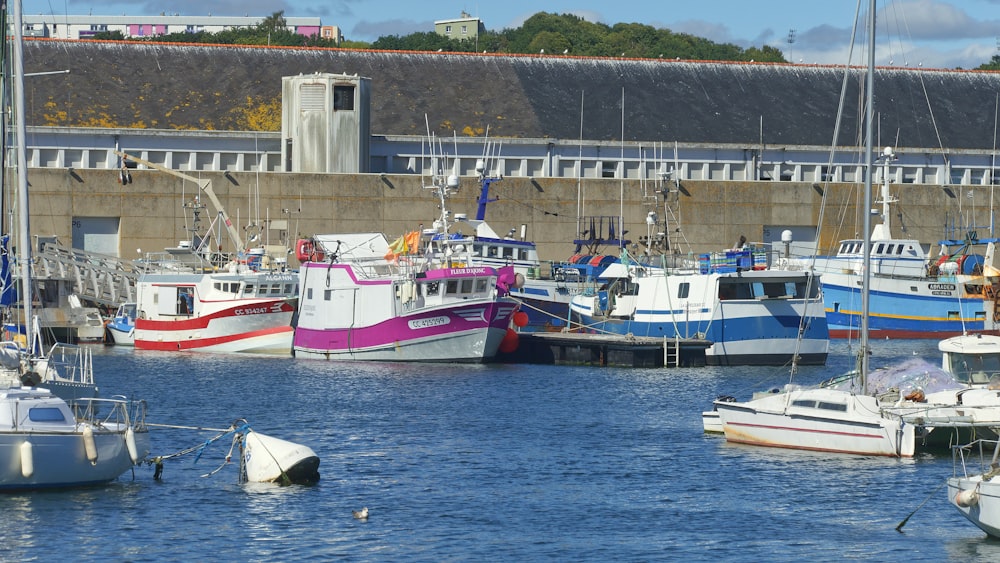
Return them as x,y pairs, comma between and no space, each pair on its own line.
928,33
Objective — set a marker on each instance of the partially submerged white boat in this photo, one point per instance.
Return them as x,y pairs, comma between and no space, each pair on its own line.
974,489
823,418
267,459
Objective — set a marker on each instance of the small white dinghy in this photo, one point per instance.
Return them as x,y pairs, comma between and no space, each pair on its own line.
267,459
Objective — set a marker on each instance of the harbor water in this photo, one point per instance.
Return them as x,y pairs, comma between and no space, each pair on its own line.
487,463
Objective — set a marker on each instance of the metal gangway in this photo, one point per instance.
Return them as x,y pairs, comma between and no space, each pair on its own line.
100,278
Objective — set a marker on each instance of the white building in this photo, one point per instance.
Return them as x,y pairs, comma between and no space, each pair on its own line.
139,26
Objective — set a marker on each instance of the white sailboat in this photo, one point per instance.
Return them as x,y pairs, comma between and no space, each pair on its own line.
45,441
822,418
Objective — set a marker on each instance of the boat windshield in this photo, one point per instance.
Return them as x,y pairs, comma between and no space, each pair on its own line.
975,369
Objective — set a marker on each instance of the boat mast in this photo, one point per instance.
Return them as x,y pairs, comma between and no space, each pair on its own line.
20,140
866,272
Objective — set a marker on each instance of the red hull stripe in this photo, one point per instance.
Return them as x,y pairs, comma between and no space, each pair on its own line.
807,431
194,343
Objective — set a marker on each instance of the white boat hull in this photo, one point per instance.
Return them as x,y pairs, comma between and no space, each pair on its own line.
817,420
268,459
122,337
984,511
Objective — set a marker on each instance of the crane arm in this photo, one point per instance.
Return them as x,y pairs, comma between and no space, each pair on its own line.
204,184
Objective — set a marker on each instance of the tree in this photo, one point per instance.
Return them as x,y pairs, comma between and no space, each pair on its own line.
994,64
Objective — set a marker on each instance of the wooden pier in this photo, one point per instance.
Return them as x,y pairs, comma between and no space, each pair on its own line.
615,350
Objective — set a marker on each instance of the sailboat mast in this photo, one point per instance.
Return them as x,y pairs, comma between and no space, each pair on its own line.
866,271
20,141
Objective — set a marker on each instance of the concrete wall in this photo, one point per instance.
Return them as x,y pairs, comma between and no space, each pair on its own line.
712,214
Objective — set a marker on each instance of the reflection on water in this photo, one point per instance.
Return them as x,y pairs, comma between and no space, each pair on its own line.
485,463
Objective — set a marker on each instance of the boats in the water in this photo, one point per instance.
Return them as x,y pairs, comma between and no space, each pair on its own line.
194,298
823,418
357,304
121,326
47,442
974,487
913,294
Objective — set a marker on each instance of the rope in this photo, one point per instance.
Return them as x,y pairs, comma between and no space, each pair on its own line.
238,427
899,527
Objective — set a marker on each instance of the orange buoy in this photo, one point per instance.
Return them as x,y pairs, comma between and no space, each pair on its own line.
520,319
509,342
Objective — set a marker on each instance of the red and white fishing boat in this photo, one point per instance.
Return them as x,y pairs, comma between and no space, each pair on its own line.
194,298
184,303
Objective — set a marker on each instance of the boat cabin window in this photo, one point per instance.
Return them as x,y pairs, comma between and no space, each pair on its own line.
491,251
248,289
899,249
185,300
309,293
227,287
822,405
878,249
467,285
508,252
683,290
974,368
481,285
327,294
889,249
452,287
432,288
46,414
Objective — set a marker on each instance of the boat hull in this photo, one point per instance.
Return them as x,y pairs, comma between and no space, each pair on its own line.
122,335
747,330
462,334
816,420
369,311
259,327
985,512
903,308
267,459
60,460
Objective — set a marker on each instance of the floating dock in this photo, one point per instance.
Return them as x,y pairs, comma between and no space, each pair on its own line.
614,350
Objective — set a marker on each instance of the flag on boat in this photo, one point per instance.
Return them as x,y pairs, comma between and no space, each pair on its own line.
406,244
6,287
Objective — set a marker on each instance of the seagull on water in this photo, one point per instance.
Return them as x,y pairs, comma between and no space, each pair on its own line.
361,514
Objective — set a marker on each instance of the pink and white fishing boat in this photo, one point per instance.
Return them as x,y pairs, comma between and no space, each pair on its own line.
358,304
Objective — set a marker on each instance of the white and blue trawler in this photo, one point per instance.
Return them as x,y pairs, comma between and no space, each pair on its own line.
752,315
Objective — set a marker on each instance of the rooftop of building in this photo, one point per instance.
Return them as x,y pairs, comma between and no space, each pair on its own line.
178,86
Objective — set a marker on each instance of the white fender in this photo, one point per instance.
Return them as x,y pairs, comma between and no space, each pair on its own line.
27,460
133,451
89,445
967,498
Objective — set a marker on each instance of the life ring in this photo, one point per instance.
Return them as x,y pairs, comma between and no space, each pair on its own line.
306,250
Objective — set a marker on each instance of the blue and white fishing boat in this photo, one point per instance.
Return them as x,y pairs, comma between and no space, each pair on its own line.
913,295
753,315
